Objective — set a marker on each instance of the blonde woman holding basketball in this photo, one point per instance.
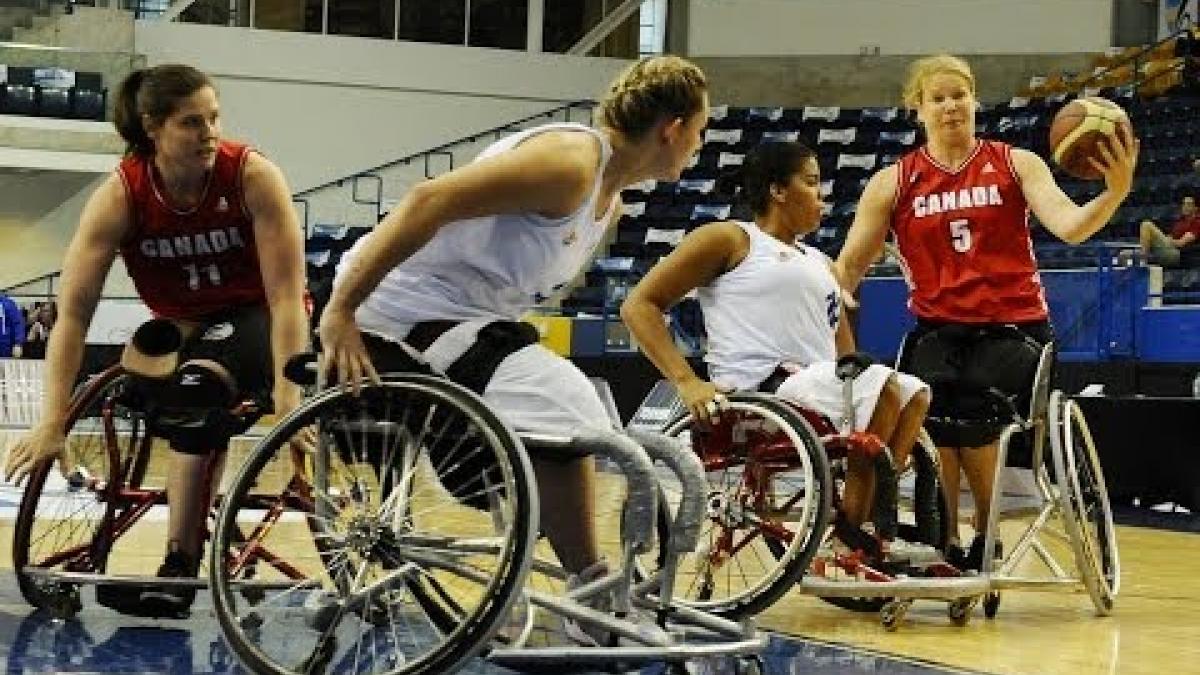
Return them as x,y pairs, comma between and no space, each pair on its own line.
959,210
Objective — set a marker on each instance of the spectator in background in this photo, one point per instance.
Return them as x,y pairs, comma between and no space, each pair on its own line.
12,328
1180,246
41,321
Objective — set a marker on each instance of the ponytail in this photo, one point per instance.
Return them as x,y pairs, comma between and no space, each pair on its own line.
127,120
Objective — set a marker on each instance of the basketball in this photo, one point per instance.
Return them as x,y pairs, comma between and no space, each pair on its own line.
1077,130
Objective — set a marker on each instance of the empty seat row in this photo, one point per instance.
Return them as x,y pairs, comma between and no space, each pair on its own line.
52,92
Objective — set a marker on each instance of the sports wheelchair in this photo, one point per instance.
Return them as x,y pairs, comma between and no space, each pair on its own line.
424,522
89,518
741,567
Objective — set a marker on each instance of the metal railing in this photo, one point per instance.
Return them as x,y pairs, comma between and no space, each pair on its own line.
361,198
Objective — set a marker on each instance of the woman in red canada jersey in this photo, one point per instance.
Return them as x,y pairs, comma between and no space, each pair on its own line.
958,207
208,235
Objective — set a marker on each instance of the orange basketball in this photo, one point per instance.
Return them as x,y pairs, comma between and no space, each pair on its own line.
1078,129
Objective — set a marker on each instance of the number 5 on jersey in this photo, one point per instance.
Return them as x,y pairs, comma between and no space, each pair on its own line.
960,235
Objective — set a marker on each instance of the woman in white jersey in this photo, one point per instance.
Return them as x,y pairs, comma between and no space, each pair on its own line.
773,314
462,257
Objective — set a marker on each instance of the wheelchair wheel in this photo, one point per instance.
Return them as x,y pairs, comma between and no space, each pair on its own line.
1085,505
422,511
65,522
768,506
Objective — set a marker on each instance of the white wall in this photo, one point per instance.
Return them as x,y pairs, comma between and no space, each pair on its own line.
794,27
326,106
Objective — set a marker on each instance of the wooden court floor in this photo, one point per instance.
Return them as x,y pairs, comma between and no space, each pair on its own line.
1155,627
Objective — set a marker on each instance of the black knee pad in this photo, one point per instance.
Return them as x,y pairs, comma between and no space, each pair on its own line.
192,409
198,384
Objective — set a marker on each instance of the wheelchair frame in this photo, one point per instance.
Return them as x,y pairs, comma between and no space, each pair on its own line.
52,582
1097,563
683,632
1077,496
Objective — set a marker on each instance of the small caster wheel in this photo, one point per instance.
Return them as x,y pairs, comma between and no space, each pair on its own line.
892,613
960,610
252,594
749,665
251,621
991,604
62,601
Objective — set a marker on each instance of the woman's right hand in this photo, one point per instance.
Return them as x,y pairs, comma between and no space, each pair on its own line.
43,442
702,399
344,355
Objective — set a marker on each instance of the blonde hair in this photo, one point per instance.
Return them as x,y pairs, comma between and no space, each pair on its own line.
923,68
650,89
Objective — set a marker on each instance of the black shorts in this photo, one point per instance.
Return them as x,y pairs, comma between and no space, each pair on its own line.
972,370
239,340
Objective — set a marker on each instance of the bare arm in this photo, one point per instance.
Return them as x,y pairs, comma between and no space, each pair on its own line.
872,220
844,337
1069,221
550,174
102,225
281,258
700,257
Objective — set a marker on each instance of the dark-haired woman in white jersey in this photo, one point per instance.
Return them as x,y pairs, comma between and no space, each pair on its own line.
773,313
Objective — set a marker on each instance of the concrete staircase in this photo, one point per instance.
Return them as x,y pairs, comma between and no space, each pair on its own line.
96,29
17,15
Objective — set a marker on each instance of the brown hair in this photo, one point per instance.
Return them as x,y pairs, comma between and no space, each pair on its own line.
154,92
650,89
923,68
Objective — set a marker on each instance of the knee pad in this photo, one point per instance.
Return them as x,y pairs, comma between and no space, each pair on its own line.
191,409
201,384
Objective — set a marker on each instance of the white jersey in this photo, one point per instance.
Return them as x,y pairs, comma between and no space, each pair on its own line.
780,304
492,267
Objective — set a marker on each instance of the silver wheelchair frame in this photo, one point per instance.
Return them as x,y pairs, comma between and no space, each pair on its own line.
682,632
1075,495
1051,416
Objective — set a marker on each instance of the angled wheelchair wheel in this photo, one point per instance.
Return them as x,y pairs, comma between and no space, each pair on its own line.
404,550
68,517
768,506
1085,504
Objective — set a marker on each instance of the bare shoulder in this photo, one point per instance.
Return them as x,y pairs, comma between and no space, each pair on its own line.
258,169
1026,162
563,154
110,202
882,186
107,216
725,239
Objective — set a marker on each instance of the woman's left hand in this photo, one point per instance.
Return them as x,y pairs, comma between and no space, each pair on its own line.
1119,153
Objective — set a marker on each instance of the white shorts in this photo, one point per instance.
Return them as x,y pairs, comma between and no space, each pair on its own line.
818,388
539,391
533,389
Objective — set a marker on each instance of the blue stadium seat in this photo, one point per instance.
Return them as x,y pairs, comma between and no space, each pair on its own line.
54,102
88,104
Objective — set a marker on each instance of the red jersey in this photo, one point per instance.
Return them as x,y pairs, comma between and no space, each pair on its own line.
1186,224
964,239
190,263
